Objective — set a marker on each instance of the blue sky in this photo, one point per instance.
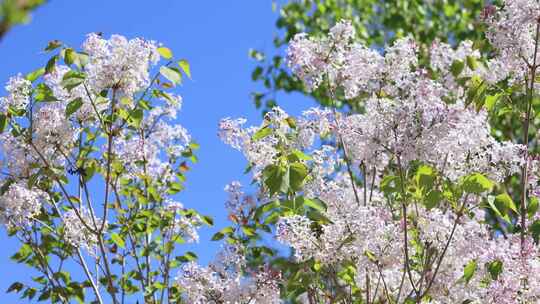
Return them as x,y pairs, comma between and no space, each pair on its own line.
215,38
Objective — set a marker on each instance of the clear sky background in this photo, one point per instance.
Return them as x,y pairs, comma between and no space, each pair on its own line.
214,36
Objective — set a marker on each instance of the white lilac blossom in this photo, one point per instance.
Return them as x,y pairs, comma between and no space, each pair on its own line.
259,153
450,137
182,226
77,234
442,58
160,143
19,205
372,237
52,139
534,176
18,156
19,90
223,282
407,114
119,63
238,203
519,282
423,128
52,129
352,66
295,231
230,131
353,232
116,64
86,114
512,31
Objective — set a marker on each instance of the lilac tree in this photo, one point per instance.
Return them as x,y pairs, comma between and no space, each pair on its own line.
415,199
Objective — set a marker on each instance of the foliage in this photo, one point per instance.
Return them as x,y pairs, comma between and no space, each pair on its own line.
14,12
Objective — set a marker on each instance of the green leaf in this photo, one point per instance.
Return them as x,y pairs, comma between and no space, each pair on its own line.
504,200
218,236
32,76
532,207
272,218
89,171
472,63
301,155
72,79
258,56
117,239
45,295
297,174
189,256
476,93
495,268
291,122
491,101
184,65
317,266
535,230
390,184
24,252
165,52
73,106
3,122
262,133
316,204
425,177
274,179
69,56
262,209
457,67
319,217
52,45
80,59
469,270
43,93
257,72
136,117
477,183
371,256
498,212
171,74
433,198
49,67
175,187
248,231
207,220
221,234
17,287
